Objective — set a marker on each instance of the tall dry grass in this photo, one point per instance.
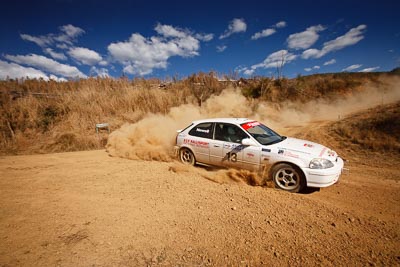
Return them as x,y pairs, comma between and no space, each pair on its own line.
45,116
39,116
377,129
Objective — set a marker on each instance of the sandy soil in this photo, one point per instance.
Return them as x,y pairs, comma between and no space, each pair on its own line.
90,209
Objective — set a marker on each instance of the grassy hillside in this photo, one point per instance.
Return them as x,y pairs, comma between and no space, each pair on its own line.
377,129
39,116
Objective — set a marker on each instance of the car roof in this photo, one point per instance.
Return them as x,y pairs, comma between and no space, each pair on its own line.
226,120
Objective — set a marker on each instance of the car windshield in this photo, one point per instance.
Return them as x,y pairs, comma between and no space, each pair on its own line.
262,133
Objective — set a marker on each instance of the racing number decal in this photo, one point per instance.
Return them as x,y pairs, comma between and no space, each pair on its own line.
232,157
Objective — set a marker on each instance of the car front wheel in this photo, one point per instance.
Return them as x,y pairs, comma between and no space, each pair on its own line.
288,178
187,156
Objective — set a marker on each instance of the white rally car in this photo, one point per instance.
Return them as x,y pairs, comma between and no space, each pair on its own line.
242,143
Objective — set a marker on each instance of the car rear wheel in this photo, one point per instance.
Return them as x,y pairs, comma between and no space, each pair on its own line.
288,178
187,156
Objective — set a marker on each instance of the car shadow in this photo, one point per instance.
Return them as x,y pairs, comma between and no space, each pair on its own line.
309,190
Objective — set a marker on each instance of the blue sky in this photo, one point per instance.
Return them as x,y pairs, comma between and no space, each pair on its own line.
64,39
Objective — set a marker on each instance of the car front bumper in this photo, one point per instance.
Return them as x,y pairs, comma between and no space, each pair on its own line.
324,177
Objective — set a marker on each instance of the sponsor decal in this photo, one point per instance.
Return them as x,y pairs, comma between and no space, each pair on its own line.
308,145
196,143
322,152
230,146
202,130
250,155
280,151
266,150
290,154
331,153
234,147
250,125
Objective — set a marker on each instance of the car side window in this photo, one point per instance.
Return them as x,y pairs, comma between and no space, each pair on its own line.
229,133
204,130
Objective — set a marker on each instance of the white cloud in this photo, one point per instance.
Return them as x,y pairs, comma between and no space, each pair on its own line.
313,68
103,63
263,33
352,67
311,53
169,31
53,54
100,72
281,24
71,30
62,46
275,60
41,40
369,69
206,37
68,34
85,55
305,39
13,71
248,72
352,37
140,55
46,64
235,26
221,48
330,62
269,31
57,79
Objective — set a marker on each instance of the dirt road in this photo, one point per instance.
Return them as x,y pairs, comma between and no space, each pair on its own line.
89,209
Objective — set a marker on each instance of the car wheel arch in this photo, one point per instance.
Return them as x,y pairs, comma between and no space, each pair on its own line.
190,149
271,168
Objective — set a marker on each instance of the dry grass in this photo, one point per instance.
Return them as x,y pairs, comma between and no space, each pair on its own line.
39,116
306,88
377,129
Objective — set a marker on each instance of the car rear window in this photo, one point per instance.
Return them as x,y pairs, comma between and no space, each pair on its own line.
204,130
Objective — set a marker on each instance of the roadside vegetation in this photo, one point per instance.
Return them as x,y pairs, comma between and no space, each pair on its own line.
377,129
38,116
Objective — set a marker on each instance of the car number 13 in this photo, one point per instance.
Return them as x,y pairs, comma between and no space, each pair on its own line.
232,157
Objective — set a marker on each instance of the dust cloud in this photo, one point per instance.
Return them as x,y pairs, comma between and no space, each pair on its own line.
222,176
292,113
153,137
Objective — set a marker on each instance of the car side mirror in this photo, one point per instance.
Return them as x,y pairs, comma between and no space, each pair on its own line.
248,142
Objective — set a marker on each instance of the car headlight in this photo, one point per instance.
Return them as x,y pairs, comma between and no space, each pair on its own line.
321,164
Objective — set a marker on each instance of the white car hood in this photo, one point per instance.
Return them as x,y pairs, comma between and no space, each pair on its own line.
311,149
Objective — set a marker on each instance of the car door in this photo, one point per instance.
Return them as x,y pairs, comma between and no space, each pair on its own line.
226,148
199,139
217,145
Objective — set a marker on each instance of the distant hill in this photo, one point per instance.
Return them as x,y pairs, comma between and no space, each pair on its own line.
395,71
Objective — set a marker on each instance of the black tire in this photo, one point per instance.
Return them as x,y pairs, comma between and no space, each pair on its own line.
186,156
288,177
